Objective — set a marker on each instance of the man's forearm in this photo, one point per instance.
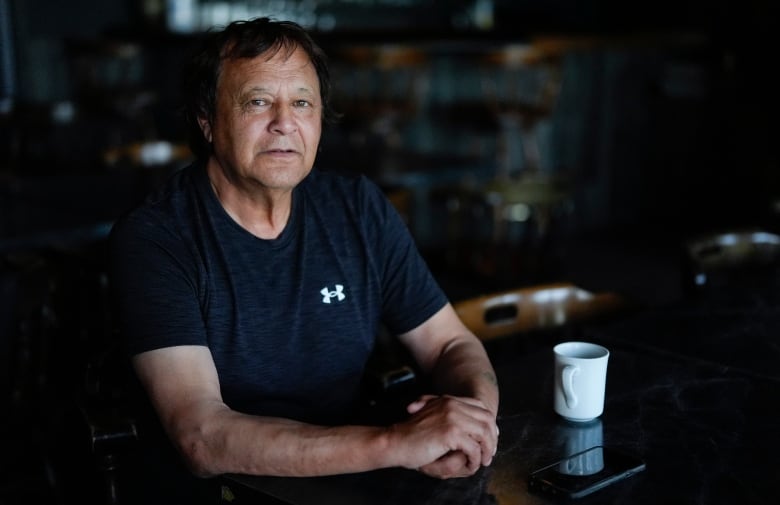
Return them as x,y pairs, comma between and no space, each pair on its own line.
463,369
230,442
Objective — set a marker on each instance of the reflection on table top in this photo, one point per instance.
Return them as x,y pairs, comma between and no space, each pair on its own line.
702,422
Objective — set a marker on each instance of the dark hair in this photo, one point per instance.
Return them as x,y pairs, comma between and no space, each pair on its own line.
242,39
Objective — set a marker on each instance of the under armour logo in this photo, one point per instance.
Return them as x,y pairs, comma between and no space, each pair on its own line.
328,295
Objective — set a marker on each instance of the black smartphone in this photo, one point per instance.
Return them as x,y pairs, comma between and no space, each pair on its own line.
583,473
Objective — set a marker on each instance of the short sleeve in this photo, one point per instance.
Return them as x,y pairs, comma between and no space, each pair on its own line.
154,284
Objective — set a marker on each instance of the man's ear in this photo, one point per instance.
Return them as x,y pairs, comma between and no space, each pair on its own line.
205,127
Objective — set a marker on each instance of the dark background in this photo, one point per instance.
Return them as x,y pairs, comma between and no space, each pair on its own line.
663,129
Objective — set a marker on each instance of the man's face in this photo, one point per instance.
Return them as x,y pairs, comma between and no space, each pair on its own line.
268,120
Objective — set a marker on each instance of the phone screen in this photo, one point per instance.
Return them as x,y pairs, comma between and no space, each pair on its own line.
585,472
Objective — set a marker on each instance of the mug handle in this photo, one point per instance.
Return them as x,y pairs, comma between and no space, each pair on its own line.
567,382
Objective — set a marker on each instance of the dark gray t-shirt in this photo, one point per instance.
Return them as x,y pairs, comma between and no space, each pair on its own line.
290,322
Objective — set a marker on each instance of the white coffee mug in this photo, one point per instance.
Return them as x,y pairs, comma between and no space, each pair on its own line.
580,380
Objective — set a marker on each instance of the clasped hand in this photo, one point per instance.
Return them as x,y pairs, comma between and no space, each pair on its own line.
448,436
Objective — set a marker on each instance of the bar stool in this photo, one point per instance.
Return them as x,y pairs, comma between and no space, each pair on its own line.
381,88
520,85
503,224
507,232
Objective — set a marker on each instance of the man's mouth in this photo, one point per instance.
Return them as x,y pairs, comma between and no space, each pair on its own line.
279,151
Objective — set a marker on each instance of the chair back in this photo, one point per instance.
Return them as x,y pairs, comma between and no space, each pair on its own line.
534,308
731,264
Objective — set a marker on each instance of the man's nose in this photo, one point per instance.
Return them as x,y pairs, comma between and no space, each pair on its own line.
283,119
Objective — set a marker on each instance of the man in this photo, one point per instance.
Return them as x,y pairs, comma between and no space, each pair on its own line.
251,288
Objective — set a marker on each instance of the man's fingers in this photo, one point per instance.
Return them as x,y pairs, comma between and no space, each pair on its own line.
419,403
458,434
451,465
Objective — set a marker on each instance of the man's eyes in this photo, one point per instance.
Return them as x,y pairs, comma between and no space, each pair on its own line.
261,102
258,102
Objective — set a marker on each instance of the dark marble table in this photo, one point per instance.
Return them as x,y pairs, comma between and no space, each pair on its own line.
692,388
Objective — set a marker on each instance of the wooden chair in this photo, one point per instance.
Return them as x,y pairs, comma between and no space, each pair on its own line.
534,308
730,260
